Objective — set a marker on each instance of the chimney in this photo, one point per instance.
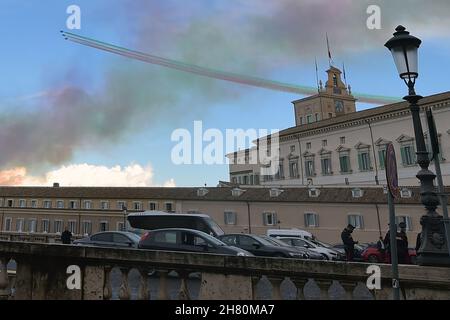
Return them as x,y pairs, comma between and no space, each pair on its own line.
55,185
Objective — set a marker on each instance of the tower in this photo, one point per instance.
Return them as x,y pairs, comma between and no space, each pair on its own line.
333,100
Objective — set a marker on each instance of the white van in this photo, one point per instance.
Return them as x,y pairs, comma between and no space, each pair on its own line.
290,233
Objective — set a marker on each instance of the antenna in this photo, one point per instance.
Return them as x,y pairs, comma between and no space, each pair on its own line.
317,75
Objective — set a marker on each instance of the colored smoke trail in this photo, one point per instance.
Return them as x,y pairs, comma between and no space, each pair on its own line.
216,74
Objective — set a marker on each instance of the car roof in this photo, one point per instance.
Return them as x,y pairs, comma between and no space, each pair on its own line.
178,229
125,233
162,213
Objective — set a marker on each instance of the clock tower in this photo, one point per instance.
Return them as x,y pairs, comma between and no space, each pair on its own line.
332,101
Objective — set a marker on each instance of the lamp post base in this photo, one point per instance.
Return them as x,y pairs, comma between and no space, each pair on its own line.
433,250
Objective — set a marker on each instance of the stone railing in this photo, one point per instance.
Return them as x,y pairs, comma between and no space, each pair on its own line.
33,237
41,273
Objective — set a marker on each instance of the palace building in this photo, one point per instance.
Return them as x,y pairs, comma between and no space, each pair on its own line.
332,144
323,211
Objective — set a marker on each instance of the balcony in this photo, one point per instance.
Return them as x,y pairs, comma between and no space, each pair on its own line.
41,273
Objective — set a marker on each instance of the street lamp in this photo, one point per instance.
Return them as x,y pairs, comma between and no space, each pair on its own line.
124,208
433,249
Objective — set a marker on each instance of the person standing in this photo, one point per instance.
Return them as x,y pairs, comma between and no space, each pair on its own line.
402,245
349,243
66,236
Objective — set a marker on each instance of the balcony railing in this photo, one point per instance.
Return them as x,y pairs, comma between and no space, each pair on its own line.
39,271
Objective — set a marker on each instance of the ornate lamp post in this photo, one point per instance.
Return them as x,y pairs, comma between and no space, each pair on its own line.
433,249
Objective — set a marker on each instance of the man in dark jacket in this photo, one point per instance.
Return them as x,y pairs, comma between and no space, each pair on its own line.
349,243
402,244
66,236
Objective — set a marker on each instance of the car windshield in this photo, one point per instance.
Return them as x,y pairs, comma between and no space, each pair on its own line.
322,244
263,241
134,236
275,241
213,240
214,226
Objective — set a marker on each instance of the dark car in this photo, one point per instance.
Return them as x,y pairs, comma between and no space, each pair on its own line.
187,240
357,252
260,246
308,253
117,239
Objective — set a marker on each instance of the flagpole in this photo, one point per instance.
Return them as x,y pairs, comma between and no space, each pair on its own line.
329,52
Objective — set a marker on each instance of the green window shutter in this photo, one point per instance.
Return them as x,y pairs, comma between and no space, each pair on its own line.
360,162
342,163
305,216
403,153
381,156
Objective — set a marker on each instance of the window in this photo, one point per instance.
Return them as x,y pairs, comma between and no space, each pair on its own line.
22,203
104,205
60,204
269,218
1,202
169,237
300,120
280,172
356,220
313,192
103,237
364,161
275,192
169,206
152,206
73,204
408,155
311,220
326,166
308,145
344,161
8,224
309,167
47,204
406,220
330,115
120,226
57,226
292,148
382,157
405,193
32,225
72,226
137,205
293,169
10,203
357,193
202,192
236,192
309,118
245,180
121,205
230,217
34,203
103,226
324,143
19,225
342,140
317,117
430,148
87,227
45,226
87,204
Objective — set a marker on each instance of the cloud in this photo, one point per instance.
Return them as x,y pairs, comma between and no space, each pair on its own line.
251,37
85,175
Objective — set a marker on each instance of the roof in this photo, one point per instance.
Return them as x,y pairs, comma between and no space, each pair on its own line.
364,114
371,195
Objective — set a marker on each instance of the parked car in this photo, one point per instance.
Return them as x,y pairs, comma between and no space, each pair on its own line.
308,253
373,255
187,240
260,246
358,250
153,220
290,233
117,239
327,253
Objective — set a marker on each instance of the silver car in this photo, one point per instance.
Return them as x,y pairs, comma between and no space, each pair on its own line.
116,239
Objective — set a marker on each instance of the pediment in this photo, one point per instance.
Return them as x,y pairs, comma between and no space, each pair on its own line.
342,148
382,142
404,138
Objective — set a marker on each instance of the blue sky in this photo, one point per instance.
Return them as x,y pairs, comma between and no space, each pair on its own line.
53,93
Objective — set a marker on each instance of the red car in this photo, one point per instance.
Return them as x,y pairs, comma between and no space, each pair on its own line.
373,255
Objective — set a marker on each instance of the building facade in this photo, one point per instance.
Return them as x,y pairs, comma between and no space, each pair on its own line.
332,144
322,211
